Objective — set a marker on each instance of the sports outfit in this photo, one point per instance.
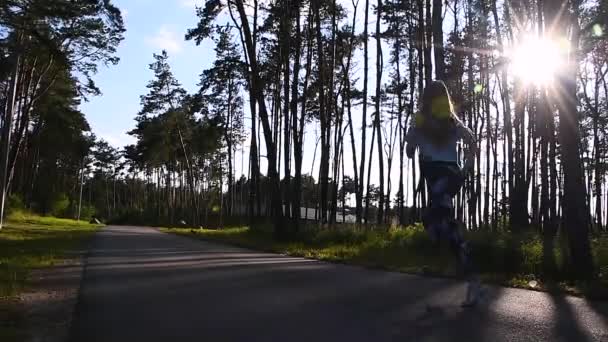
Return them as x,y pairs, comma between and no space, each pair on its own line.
444,178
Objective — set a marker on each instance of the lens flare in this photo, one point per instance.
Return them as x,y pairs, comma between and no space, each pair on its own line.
598,31
537,60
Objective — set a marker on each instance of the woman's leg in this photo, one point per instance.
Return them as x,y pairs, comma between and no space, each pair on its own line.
460,248
436,215
440,223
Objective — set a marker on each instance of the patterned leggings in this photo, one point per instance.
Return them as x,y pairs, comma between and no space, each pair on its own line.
444,180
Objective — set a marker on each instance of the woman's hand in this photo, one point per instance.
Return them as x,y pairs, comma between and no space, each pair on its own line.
410,150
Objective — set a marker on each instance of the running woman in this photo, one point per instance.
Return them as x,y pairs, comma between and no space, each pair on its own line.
436,132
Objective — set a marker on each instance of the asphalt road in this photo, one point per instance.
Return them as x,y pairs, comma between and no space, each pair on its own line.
143,285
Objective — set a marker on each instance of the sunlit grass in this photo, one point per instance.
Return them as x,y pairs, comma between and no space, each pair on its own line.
22,217
502,258
29,241
407,250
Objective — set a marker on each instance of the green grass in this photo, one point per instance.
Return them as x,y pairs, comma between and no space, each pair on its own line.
502,258
407,250
29,242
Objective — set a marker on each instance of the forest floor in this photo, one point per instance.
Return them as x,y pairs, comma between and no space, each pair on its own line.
502,258
40,268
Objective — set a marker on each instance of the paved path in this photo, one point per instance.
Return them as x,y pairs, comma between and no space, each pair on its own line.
143,285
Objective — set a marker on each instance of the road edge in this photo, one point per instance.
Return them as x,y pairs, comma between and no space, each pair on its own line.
50,310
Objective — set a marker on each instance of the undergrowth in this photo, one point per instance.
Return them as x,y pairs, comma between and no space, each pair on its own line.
505,258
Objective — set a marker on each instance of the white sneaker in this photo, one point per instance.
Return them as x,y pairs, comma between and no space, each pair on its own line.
474,293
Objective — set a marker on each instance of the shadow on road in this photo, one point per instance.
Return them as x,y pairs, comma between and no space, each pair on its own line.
450,322
567,322
141,284
200,290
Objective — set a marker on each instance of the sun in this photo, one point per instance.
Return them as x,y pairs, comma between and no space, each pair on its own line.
537,60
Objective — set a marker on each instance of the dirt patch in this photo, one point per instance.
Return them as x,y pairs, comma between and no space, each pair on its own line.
12,325
48,304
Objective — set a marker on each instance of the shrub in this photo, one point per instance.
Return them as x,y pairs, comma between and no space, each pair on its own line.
532,256
87,212
14,203
600,254
59,205
500,255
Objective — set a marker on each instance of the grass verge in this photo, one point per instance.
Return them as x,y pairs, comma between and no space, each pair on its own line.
29,242
502,258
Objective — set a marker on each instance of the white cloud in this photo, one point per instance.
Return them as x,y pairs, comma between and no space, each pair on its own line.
190,3
165,39
117,140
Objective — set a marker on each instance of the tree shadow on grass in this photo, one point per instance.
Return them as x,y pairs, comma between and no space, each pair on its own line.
18,257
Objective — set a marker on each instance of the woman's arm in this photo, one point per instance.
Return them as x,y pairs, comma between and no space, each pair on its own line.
471,151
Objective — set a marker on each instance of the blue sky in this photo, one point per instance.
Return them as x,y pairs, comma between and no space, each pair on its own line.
152,25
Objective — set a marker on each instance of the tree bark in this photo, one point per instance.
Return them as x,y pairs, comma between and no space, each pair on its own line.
6,134
296,194
377,120
257,89
575,211
437,18
428,45
364,114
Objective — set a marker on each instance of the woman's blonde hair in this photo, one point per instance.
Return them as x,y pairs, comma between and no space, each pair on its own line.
437,116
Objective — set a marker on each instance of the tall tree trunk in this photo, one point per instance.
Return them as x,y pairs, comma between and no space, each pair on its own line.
519,195
348,91
286,48
257,88
334,112
82,170
190,177
296,194
575,211
338,140
437,18
470,183
506,101
323,115
377,121
428,44
421,77
545,116
253,161
6,135
369,169
485,103
364,114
